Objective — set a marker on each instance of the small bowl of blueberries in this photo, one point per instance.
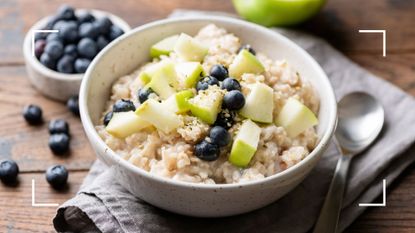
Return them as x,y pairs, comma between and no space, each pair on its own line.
59,48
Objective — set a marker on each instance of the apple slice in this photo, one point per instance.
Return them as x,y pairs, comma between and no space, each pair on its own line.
123,124
245,144
190,72
207,104
189,49
179,102
295,117
259,103
166,69
156,114
163,47
245,62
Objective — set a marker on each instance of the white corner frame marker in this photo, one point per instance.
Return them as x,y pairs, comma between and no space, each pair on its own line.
383,36
39,31
34,204
383,204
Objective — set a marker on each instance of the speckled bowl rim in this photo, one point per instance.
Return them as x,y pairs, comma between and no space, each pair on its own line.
286,174
39,67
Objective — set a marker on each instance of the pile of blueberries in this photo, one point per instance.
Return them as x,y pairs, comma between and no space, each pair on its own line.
209,148
78,40
57,175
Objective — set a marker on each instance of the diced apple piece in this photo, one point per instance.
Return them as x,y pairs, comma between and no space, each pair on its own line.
207,104
123,124
295,117
259,104
189,49
245,144
165,69
245,62
155,113
163,47
190,72
179,102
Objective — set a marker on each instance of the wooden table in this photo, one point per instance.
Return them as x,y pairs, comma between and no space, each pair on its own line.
339,23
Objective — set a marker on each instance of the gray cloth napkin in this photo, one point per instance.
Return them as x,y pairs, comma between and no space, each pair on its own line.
103,205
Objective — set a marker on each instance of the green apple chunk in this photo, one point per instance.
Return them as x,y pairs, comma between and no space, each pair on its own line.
245,144
166,69
295,117
189,49
259,104
163,79
163,47
179,102
245,62
190,73
156,114
207,104
123,124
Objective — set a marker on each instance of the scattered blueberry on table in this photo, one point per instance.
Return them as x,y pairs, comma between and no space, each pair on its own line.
78,41
57,176
8,171
33,114
59,143
73,104
58,126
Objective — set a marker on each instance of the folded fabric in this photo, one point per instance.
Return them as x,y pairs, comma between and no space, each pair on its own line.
103,205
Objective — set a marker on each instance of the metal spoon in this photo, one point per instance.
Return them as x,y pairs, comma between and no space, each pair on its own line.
360,121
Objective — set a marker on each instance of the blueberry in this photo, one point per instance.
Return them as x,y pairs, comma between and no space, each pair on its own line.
70,49
247,47
231,84
219,136
59,143
102,42
54,49
85,17
225,119
47,61
205,82
87,48
81,64
53,36
32,114
88,30
39,47
73,105
107,118
40,36
206,151
219,72
66,12
143,94
58,126
51,21
8,171
57,176
103,25
123,106
65,64
69,32
234,100
115,32
60,24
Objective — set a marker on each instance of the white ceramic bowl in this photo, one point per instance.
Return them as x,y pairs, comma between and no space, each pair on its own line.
131,50
55,85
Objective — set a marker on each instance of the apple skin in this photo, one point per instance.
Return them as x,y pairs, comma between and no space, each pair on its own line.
277,12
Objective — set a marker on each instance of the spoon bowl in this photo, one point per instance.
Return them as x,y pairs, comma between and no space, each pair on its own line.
360,120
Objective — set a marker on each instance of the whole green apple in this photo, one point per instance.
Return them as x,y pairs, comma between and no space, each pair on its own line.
277,12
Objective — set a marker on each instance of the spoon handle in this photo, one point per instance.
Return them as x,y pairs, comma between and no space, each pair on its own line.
329,215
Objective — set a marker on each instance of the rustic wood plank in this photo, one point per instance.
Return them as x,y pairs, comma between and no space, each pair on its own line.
16,211
26,144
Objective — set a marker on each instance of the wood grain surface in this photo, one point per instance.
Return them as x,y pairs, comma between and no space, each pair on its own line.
338,23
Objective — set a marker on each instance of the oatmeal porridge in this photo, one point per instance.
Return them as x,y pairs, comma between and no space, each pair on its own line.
209,109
